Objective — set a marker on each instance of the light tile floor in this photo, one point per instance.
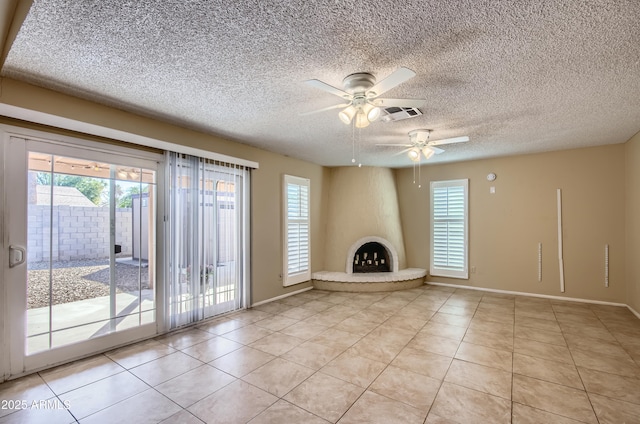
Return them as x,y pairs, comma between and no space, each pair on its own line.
427,355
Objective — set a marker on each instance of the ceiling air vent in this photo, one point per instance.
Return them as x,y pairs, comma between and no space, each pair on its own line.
394,113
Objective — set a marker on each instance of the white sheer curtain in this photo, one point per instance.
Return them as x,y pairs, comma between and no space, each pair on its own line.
208,238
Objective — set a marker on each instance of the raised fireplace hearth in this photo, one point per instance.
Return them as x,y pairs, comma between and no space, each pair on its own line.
369,281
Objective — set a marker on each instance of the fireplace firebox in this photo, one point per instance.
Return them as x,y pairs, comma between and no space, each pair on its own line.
371,257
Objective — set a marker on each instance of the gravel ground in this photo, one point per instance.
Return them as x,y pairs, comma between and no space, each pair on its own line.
79,280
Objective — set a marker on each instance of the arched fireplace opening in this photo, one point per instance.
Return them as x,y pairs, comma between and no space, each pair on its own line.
385,251
371,257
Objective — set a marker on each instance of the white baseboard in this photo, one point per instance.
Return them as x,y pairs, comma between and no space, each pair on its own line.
458,286
544,296
634,311
262,302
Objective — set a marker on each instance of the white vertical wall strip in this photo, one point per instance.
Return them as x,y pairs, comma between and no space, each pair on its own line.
606,265
539,262
560,256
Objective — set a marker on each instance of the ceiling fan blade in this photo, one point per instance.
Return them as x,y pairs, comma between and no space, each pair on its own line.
462,139
417,103
395,145
324,109
436,150
402,151
396,78
328,88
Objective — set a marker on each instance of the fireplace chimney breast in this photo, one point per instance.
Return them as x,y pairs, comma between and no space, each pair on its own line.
363,203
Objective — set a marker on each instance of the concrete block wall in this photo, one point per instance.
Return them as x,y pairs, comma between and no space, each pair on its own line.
77,233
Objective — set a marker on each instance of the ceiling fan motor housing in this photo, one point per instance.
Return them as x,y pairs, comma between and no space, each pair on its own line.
358,83
419,136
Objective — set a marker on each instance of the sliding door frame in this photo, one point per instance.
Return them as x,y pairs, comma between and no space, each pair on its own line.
141,141
15,362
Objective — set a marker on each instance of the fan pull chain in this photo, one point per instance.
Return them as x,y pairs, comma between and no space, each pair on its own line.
414,172
353,141
359,143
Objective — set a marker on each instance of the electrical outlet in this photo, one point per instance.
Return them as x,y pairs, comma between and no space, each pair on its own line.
473,269
492,190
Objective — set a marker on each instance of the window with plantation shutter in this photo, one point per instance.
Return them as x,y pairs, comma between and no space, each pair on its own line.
449,228
297,225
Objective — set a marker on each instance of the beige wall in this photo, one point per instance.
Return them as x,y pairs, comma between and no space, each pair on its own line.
632,155
266,181
362,202
267,203
506,227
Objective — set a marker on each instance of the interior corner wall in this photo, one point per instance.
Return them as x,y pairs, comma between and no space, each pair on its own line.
267,222
632,188
266,182
505,228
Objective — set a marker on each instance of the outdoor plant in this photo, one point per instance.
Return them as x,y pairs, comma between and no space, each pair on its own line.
205,272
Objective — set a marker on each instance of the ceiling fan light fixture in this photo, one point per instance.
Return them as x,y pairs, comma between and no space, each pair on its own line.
373,112
347,114
362,91
428,152
361,119
414,154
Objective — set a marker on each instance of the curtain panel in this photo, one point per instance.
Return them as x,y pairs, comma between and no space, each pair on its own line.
208,238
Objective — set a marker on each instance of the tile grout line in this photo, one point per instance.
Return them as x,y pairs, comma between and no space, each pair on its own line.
387,365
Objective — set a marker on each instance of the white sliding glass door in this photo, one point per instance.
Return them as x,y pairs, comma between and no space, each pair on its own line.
208,238
81,225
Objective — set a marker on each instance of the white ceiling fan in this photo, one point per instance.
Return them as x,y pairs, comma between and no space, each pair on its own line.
419,145
361,93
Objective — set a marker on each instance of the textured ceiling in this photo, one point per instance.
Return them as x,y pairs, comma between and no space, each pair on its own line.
515,76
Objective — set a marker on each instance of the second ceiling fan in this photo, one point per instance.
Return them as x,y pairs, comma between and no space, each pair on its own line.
361,93
419,145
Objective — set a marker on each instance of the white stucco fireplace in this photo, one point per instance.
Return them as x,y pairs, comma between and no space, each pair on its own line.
364,247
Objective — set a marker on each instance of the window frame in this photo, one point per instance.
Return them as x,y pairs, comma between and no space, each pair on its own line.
302,275
450,272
